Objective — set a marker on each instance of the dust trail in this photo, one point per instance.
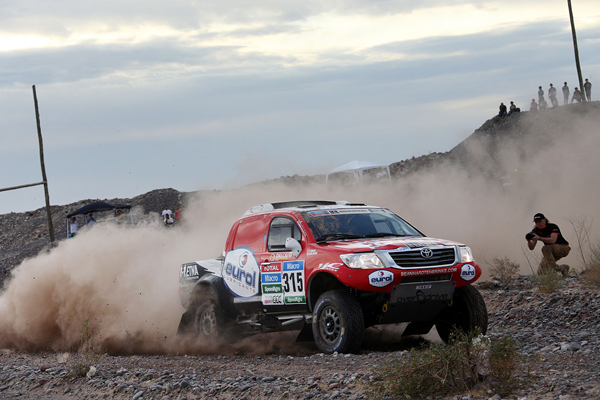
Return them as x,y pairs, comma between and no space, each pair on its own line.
125,281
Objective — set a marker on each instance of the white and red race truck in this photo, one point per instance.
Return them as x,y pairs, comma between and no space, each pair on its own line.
331,269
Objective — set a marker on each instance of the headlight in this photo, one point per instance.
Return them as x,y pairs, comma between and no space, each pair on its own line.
465,255
366,260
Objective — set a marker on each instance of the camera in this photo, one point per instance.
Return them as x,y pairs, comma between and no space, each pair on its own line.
529,236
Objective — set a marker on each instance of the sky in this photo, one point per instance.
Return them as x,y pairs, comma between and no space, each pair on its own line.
190,95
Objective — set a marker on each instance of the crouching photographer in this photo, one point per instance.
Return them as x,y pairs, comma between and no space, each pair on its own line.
555,246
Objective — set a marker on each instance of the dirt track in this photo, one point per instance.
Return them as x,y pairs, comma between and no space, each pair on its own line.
558,332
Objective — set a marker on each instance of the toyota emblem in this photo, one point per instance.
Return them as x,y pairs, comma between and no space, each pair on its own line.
426,252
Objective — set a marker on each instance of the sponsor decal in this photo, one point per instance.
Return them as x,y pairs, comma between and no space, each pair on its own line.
295,300
268,289
423,287
333,267
270,267
381,278
272,299
422,297
403,248
271,278
293,265
189,270
280,256
428,272
293,282
416,245
311,252
361,211
241,272
318,213
379,243
467,272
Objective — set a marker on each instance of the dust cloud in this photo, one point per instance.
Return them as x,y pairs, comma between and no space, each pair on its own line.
124,281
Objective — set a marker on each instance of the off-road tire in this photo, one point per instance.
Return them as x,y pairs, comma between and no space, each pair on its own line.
466,313
338,323
207,319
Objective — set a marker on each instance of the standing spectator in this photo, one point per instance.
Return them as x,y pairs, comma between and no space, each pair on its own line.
552,95
167,215
177,216
576,96
119,217
587,86
72,227
540,94
566,93
502,112
533,106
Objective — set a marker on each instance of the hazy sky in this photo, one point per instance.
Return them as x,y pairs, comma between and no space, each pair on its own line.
140,95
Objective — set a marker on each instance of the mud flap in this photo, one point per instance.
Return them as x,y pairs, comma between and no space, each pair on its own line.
418,328
184,325
306,334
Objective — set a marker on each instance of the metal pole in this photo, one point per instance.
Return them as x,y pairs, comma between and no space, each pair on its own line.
576,52
45,180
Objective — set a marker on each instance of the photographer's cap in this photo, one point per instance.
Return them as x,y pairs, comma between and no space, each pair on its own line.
538,216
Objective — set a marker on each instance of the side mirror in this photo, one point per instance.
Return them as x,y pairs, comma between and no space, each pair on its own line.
293,245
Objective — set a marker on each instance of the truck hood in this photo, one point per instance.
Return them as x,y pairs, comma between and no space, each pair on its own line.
402,243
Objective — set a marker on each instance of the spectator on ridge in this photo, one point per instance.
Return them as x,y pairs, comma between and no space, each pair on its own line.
502,112
587,86
540,94
566,93
576,96
552,96
533,106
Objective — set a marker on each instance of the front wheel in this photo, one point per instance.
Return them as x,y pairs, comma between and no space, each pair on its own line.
338,323
466,313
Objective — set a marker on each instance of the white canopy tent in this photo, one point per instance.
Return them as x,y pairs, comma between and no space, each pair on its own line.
357,168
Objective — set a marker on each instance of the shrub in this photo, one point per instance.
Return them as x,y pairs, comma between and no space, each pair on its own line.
88,355
455,368
591,275
548,281
504,269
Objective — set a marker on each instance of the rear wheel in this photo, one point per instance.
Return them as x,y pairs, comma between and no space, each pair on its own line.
466,313
338,323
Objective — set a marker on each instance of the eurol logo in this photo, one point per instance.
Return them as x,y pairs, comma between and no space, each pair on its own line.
241,272
467,272
381,278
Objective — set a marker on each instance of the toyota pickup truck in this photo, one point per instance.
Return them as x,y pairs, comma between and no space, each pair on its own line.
331,269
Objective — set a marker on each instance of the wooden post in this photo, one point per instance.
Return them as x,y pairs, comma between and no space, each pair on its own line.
583,100
44,179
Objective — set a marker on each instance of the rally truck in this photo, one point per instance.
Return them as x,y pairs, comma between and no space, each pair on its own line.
331,269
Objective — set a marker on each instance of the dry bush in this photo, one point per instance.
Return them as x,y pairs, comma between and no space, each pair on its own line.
88,355
507,365
591,275
548,281
504,269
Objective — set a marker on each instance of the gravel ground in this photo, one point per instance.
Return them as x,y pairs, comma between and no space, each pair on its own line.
557,332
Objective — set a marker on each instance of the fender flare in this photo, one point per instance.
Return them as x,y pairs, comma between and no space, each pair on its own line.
223,294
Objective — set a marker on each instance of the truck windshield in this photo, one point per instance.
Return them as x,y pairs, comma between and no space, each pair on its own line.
341,224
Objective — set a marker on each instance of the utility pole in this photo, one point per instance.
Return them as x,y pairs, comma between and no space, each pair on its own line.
576,52
44,179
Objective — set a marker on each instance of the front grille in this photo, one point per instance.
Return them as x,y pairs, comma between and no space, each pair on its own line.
414,259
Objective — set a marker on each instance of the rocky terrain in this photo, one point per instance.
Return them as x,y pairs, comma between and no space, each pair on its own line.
558,333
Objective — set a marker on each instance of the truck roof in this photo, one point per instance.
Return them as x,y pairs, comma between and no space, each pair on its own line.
299,205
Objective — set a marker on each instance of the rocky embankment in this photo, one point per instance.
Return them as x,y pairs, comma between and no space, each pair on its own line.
557,334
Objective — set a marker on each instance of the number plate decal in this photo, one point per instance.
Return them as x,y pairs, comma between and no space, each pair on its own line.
292,278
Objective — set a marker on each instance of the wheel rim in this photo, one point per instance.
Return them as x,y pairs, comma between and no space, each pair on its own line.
207,322
330,325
